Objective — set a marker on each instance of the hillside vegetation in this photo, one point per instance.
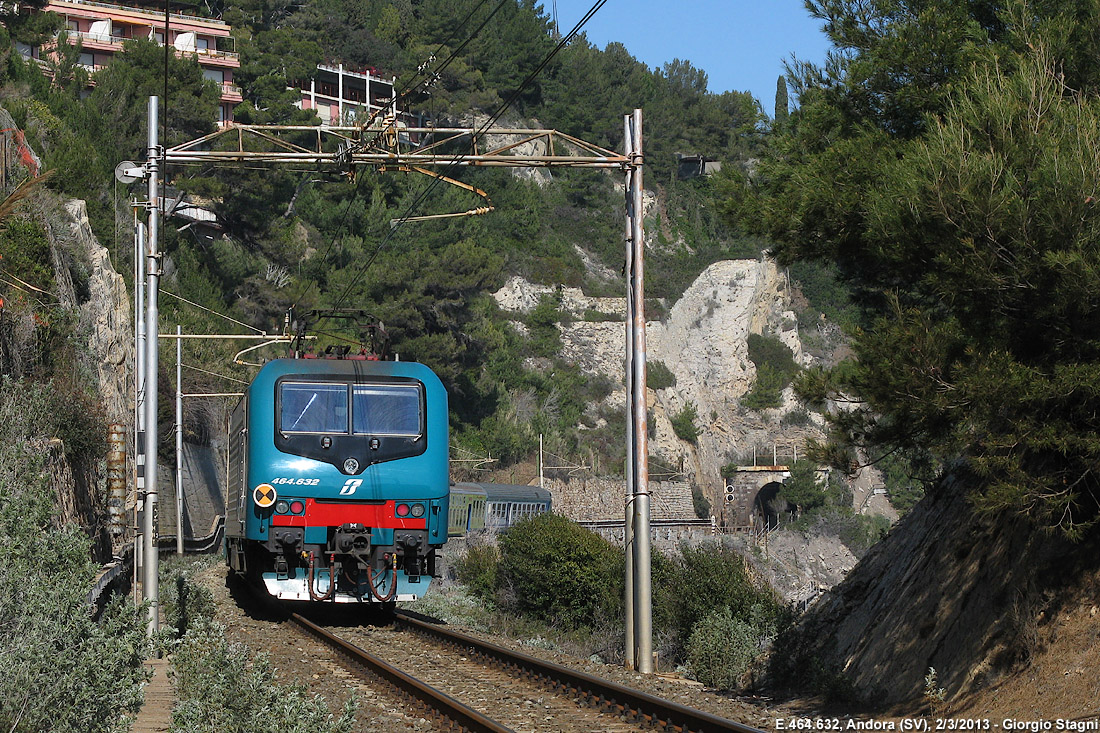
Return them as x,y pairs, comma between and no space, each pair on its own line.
315,242
944,161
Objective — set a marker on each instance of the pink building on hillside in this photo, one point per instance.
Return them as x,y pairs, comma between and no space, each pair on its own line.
103,27
345,96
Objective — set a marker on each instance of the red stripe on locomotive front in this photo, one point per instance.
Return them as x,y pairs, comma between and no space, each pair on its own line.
333,514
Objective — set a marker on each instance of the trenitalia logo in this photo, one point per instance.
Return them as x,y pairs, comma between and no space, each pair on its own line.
350,486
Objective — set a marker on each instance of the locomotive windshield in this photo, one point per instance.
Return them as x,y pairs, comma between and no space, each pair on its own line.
314,408
376,409
386,410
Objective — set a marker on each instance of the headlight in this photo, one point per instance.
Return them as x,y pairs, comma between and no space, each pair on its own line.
418,510
282,506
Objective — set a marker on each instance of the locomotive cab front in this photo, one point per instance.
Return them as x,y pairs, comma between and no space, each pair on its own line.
343,480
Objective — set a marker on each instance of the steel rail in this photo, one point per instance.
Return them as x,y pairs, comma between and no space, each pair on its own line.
600,692
465,717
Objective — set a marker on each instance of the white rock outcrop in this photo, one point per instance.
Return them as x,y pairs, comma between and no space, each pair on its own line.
106,317
703,342
518,295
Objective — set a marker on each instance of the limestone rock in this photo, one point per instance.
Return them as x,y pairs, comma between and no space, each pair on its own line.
703,343
107,319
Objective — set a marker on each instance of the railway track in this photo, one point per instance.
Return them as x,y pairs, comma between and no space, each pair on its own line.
437,704
631,704
504,690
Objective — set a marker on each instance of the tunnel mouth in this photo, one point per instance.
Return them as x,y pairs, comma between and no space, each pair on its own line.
769,509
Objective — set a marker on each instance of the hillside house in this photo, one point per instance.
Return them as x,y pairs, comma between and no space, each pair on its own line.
103,27
344,96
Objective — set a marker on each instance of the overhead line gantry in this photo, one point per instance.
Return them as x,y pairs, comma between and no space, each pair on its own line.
394,146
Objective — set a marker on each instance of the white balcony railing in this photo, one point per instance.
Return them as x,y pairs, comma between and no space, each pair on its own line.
117,41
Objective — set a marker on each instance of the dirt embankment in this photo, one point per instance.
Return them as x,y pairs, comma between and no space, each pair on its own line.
974,597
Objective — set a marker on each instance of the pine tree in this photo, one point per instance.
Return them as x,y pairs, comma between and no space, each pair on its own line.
940,161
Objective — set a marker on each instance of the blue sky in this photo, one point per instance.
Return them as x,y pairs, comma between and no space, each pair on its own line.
741,44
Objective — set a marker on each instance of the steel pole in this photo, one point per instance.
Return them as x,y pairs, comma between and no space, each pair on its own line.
152,256
628,523
643,599
139,392
179,442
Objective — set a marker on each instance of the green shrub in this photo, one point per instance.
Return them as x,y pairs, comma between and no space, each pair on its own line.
863,532
542,324
553,569
826,292
721,648
683,423
802,488
63,671
699,502
795,419
767,390
184,602
25,252
477,570
707,578
223,687
775,368
858,532
659,376
773,352
902,478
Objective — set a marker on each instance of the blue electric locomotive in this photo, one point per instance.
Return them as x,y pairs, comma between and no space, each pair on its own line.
338,479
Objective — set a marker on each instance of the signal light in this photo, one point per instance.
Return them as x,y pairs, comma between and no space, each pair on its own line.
418,510
297,507
402,510
282,506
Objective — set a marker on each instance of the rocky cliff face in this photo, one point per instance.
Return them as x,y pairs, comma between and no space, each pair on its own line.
963,593
106,317
98,294
85,285
702,341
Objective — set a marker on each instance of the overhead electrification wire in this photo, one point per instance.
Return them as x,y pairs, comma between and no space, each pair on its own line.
566,40
410,86
407,90
214,312
422,70
214,374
